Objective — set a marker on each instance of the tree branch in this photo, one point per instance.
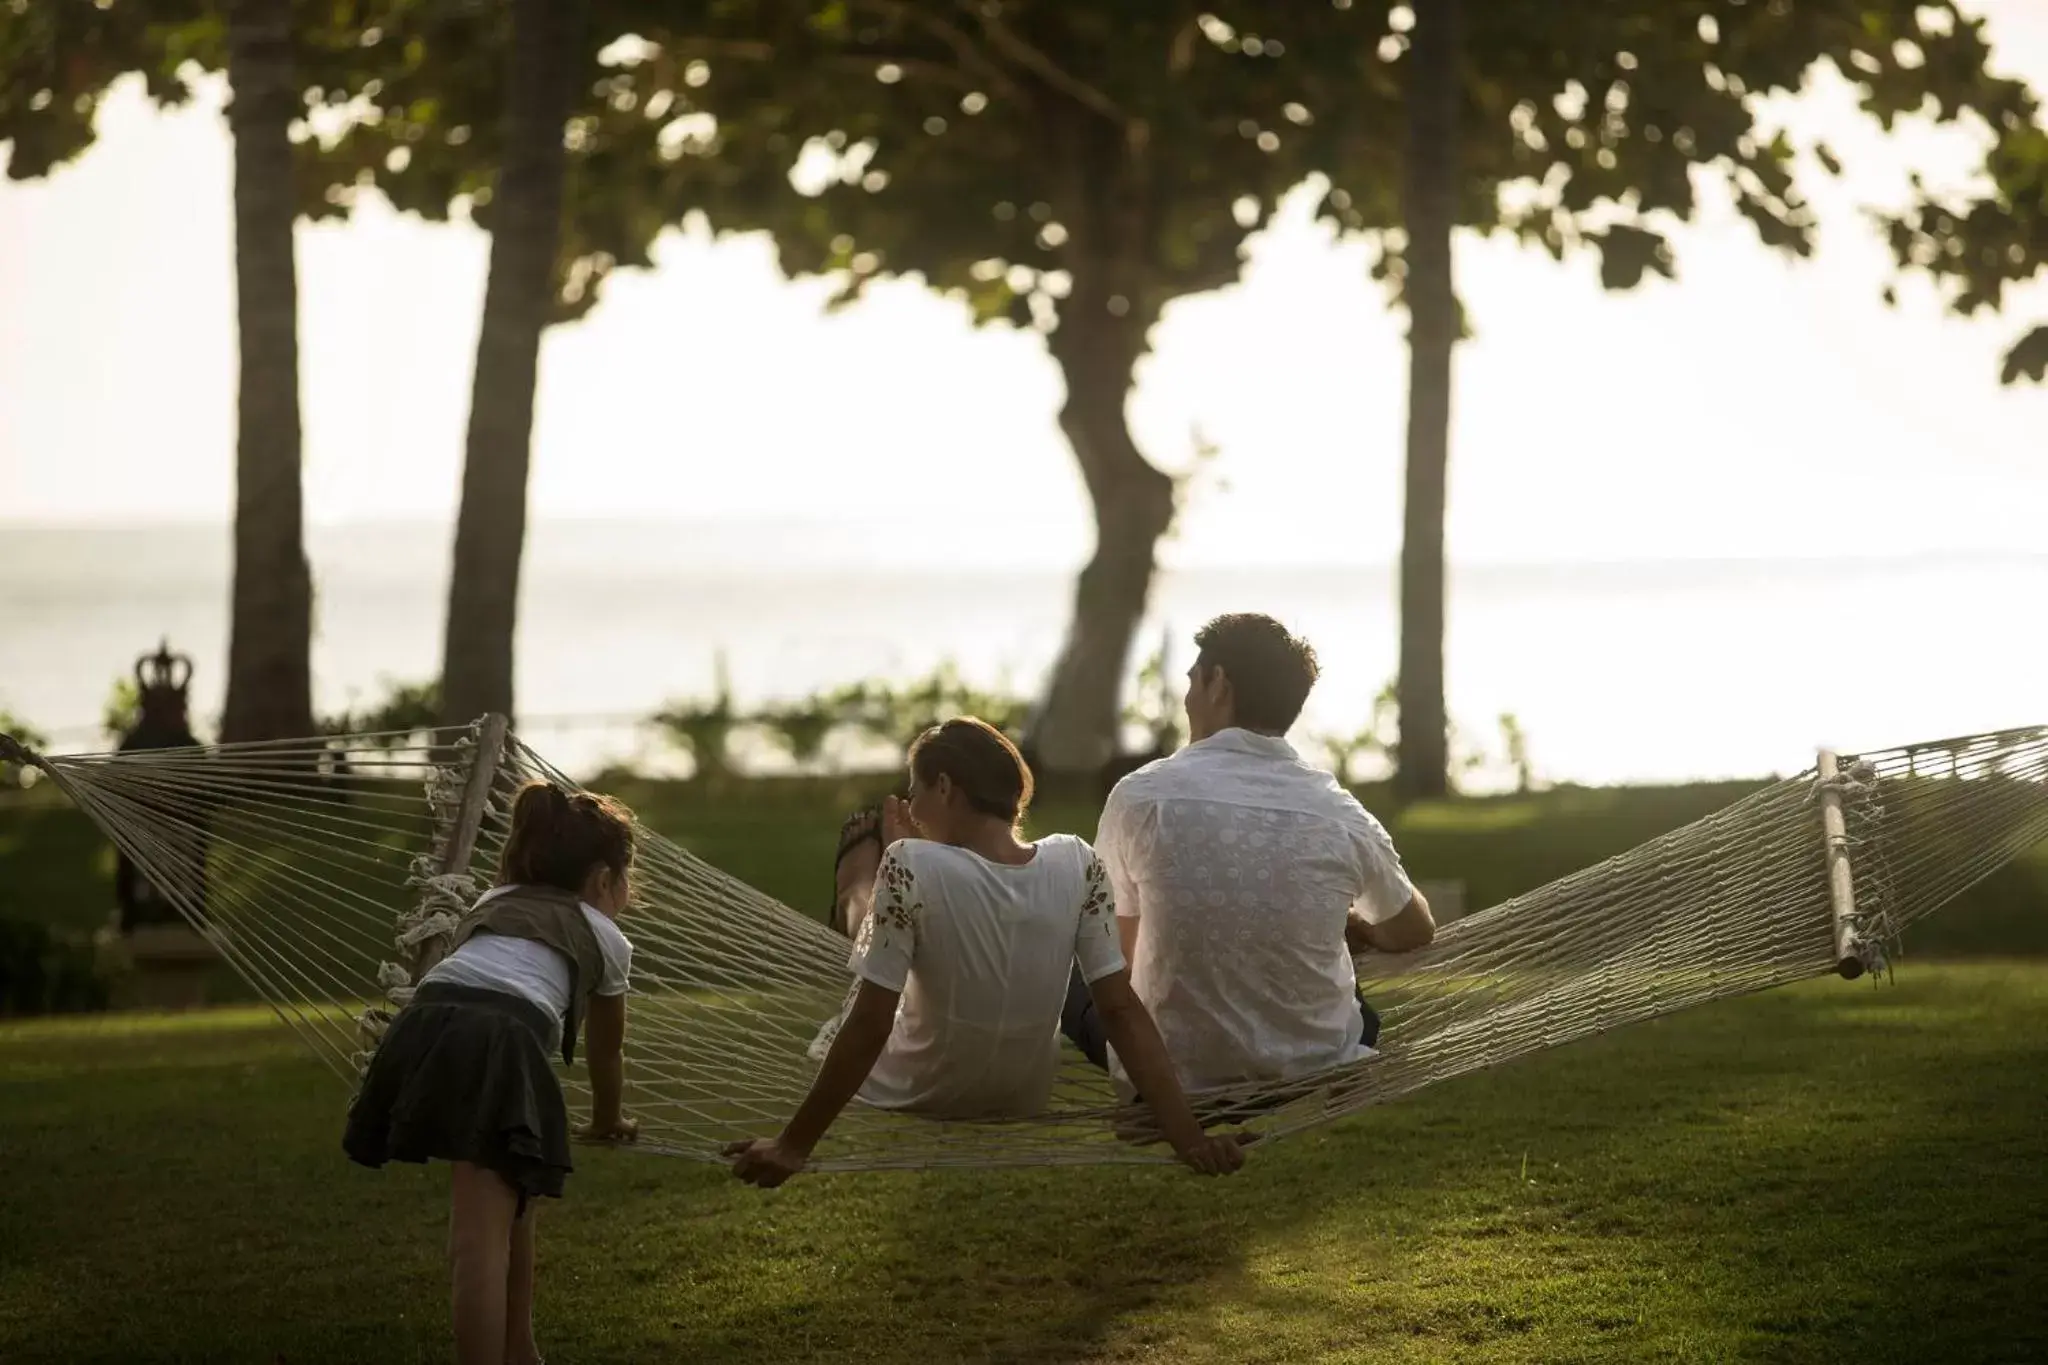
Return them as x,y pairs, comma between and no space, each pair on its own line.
745,51
864,61
1031,59
1180,53
965,50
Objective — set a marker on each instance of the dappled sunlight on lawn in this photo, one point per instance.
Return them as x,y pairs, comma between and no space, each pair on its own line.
1838,1170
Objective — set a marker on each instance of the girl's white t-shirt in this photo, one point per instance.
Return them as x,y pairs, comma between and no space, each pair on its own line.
983,953
533,971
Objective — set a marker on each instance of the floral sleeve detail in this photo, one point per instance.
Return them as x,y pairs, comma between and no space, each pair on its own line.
1098,945
887,947
897,905
1097,898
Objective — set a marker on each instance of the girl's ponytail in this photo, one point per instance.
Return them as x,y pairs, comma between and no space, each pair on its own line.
557,836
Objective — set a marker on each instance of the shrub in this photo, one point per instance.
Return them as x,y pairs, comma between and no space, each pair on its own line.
405,709
704,729
14,776
43,973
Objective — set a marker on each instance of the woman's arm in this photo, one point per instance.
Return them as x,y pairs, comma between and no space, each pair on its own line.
862,1036
604,1057
1130,1030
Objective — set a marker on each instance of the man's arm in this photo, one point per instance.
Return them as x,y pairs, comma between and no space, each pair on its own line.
1383,883
1413,927
1112,833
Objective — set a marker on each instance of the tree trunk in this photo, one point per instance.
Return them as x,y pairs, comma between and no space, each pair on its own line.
1430,214
270,631
1106,203
1076,728
526,224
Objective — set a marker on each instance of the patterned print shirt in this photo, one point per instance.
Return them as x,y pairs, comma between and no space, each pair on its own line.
982,953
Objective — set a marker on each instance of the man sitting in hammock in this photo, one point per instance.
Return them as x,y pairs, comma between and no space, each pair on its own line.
1246,879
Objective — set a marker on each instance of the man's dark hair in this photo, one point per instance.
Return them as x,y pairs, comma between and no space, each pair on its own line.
1270,671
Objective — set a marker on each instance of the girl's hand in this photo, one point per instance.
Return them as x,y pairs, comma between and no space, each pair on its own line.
1214,1155
765,1161
619,1130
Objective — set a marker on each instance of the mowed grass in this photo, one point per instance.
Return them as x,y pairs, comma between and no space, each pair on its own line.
1829,1173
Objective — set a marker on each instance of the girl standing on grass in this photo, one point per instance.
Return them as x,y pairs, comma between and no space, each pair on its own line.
463,1073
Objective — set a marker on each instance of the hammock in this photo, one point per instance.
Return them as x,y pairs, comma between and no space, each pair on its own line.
328,872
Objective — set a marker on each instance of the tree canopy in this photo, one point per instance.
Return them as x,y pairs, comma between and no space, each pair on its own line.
1075,169
967,135
971,140
1977,249
57,61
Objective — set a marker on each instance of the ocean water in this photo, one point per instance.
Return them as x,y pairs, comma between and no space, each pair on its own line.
1620,672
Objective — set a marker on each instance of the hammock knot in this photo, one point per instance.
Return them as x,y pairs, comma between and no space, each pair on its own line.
371,1023
446,780
1857,780
1868,931
14,751
371,1026
443,892
417,928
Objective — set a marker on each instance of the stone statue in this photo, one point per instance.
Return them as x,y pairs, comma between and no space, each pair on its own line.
164,722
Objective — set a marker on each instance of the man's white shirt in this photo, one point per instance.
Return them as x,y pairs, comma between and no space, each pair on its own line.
1241,861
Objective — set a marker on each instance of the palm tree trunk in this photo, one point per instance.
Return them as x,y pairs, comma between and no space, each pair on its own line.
1075,730
525,219
1430,214
270,633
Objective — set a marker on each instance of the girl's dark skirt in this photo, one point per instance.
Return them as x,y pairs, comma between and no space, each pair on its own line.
463,1075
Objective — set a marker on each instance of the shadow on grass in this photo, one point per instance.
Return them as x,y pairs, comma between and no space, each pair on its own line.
1829,1173
1876,1200
1671,1132
1893,1211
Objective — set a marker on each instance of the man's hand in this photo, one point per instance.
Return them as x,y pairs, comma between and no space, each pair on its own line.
1414,927
765,1162
1357,934
1219,1155
618,1130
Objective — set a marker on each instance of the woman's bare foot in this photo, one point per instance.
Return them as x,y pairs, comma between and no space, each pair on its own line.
896,821
853,880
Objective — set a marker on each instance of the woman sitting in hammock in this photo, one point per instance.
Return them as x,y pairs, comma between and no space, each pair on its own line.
965,939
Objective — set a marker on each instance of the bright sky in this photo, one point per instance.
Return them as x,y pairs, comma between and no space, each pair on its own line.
1757,407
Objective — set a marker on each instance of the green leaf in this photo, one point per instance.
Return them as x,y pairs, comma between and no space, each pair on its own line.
2028,359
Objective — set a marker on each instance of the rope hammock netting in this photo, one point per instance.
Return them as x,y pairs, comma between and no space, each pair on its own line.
328,871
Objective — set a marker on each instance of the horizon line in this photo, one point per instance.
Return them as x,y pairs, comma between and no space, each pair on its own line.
742,524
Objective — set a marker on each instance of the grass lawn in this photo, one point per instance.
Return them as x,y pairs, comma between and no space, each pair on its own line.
1838,1172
